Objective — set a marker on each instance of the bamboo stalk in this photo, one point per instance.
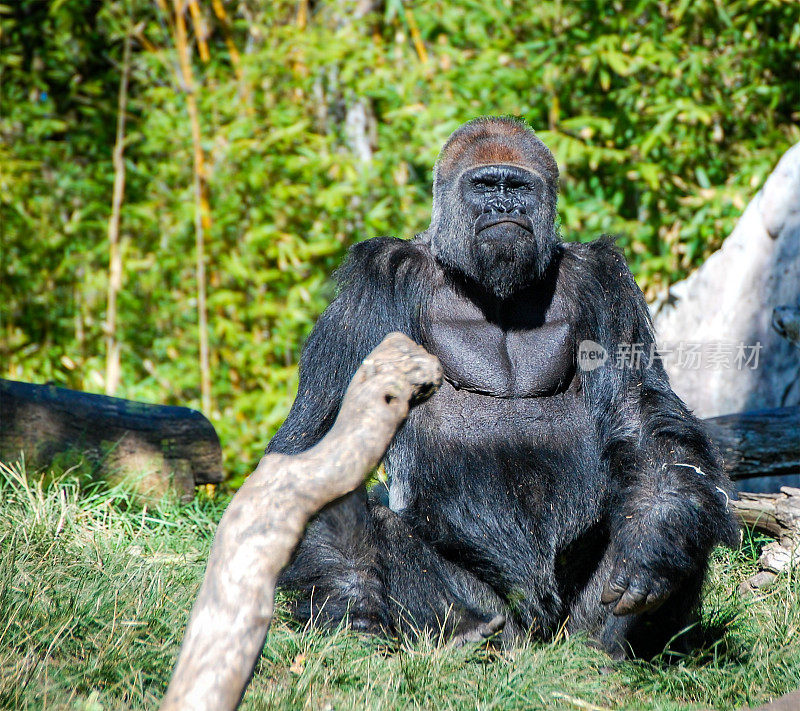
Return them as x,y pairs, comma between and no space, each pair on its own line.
416,37
222,16
142,38
233,53
200,31
302,14
114,253
202,212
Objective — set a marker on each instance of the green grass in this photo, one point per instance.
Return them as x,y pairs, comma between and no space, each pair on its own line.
95,593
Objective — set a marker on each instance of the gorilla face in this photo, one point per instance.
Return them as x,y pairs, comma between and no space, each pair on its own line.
494,222
511,242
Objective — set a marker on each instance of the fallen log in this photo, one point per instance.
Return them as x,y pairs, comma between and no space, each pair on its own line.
152,446
777,515
759,443
267,516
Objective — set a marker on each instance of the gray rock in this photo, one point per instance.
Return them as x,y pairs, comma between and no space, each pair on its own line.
786,321
724,310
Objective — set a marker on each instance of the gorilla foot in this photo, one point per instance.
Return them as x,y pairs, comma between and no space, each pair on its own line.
480,632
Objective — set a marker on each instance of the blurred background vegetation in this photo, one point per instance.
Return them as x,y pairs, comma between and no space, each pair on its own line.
252,141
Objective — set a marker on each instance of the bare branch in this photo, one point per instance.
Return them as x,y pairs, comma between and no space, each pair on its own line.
114,253
266,518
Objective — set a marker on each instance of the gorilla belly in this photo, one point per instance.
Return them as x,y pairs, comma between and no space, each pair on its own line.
489,453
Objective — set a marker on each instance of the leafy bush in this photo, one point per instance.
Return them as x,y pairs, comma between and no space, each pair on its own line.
665,118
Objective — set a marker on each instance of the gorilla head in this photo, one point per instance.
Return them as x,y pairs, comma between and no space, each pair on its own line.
494,205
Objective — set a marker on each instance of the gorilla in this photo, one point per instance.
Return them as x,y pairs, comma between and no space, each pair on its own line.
537,488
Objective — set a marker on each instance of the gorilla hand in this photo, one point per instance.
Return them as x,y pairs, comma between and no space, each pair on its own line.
636,587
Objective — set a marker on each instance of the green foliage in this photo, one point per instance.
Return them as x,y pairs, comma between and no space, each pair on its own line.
664,117
95,595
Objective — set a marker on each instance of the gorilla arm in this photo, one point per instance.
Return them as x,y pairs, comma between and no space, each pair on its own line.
377,289
671,505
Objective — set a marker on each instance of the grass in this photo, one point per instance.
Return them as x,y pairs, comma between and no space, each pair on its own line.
95,592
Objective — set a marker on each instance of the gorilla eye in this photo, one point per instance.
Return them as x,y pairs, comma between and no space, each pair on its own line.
489,180
486,184
517,184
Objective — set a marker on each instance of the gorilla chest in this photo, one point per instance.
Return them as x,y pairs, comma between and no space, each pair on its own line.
525,351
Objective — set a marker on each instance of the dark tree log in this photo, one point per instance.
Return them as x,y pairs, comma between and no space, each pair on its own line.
759,443
122,437
266,518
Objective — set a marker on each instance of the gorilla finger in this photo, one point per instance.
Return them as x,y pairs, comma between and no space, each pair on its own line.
633,600
613,589
480,632
654,601
493,626
608,595
657,597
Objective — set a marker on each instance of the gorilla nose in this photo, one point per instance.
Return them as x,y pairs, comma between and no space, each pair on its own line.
506,206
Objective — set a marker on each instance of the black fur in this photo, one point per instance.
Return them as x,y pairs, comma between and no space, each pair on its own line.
526,486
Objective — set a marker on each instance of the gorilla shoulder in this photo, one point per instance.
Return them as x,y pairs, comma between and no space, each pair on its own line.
601,256
388,262
603,285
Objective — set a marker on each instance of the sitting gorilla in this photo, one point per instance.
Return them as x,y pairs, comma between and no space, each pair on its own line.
528,490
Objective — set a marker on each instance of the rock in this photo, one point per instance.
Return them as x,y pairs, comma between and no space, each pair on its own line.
724,310
786,321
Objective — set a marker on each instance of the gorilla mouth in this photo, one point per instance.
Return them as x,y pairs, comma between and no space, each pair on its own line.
490,219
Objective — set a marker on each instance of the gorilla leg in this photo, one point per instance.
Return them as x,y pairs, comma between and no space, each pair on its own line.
334,570
360,562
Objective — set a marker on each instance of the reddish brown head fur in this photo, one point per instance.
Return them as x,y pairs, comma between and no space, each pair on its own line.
494,140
